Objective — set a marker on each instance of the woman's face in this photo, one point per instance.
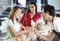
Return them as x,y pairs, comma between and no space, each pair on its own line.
17,13
32,7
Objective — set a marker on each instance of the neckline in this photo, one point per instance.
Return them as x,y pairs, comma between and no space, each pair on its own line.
33,16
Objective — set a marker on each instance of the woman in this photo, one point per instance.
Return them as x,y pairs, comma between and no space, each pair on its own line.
14,29
30,17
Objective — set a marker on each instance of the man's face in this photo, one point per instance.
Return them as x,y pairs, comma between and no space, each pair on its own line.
45,15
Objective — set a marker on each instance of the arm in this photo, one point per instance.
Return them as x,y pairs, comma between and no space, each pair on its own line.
45,37
40,35
11,28
14,32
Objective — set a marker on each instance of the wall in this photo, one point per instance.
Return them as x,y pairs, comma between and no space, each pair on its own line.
55,3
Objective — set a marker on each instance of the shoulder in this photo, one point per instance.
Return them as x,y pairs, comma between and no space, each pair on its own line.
56,19
38,14
25,14
10,22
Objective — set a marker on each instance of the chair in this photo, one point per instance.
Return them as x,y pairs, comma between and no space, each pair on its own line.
4,36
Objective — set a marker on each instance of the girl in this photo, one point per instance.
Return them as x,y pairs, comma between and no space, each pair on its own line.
14,29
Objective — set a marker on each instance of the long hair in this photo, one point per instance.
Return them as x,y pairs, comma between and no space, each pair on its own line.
34,5
12,12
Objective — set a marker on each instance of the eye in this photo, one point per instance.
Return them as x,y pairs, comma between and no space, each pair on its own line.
31,6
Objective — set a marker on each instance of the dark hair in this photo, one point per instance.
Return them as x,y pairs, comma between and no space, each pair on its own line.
12,12
34,5
50,9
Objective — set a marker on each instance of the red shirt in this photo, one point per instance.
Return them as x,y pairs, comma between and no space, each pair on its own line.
26,19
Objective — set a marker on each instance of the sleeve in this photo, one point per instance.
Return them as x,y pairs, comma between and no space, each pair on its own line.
10,23
57,25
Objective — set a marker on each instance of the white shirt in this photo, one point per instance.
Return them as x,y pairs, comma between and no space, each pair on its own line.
56,24
46,29
15,25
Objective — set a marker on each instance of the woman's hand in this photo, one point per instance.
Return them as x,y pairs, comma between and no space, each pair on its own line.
29,28
23,32
22,26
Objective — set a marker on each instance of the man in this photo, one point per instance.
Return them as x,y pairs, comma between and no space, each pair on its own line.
49,15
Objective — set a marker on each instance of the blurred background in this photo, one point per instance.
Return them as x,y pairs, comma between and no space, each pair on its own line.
5,7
